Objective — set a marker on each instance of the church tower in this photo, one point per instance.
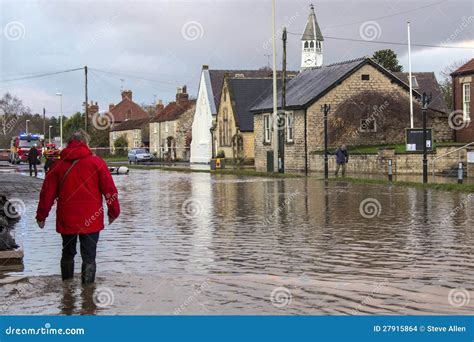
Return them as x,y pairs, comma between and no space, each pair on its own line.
311,43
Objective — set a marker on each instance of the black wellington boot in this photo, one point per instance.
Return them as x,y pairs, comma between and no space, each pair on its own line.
88,272
67,269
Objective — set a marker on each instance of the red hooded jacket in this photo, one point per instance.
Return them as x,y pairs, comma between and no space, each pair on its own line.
79,193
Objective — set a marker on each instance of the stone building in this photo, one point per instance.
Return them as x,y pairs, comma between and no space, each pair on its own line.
207,104
233,132
369,106
171,128
463,100
135,132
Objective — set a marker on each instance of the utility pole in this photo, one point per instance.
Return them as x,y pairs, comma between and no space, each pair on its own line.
325,109
281,132
409,75
87,99
44,123
275,97
424,107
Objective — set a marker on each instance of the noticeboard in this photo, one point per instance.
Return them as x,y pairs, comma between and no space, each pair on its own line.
414,139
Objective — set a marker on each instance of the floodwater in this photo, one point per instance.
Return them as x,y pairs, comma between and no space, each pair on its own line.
192,243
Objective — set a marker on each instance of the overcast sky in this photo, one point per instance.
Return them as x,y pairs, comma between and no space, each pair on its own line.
154,46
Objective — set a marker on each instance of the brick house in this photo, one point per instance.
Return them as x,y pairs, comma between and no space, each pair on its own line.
127,109
170,130
463,100
369,106
135,132
233,132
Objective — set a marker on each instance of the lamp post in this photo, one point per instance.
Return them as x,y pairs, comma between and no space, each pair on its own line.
27,122
325,109
61,117
425,101
49,133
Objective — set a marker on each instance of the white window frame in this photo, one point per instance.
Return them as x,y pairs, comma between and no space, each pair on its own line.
155,127
166,127
136,143
267,132
466,101
367,130
290,126
135,133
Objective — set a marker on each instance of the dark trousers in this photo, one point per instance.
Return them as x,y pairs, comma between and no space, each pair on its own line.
343,166
88,247
33,166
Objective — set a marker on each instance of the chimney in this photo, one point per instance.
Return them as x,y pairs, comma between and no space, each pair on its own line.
181,95
111,106
93,108
127,94
159,107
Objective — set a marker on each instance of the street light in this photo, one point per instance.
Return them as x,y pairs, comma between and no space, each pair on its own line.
27,121
49,130
61,117
325,109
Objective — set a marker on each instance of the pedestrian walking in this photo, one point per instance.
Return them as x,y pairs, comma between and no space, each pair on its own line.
342,158
79,181
33,155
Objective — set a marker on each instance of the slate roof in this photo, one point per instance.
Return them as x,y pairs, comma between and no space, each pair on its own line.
427,83
312,30
173,111
217,79
245,93
130,124
467,68
311,84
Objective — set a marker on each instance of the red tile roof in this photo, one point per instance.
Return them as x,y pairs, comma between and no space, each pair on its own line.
120,111
467,68
173,111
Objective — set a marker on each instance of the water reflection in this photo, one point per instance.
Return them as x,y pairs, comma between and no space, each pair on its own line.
246,236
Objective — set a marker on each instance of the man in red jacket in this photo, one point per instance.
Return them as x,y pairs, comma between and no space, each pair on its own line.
78,182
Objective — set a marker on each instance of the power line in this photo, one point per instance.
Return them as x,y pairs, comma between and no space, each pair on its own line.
121,74
41,75
387,16
391,43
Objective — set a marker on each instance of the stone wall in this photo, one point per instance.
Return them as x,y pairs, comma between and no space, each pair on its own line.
403,163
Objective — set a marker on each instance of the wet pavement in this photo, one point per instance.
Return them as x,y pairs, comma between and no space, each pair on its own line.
196,243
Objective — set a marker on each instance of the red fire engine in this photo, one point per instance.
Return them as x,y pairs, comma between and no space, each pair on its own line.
21,144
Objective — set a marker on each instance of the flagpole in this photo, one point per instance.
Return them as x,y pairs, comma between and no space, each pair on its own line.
409,75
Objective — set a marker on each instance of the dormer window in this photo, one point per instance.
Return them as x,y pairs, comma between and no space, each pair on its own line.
414,82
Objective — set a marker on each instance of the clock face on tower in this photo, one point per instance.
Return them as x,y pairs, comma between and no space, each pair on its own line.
310,60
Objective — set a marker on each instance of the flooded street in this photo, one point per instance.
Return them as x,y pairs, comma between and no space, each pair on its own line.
196,243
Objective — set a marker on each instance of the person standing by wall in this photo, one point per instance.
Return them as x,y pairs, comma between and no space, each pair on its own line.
79,181
342,158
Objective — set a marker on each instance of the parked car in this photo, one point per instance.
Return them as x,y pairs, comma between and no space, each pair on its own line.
4,155
139,155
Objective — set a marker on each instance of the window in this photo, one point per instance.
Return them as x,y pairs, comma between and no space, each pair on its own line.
414,82
226,128
365,77
289,126
266,129
135,133
368,125
225,95
221,136
311,45
166,127
466,100
136,143
306,45
155,127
